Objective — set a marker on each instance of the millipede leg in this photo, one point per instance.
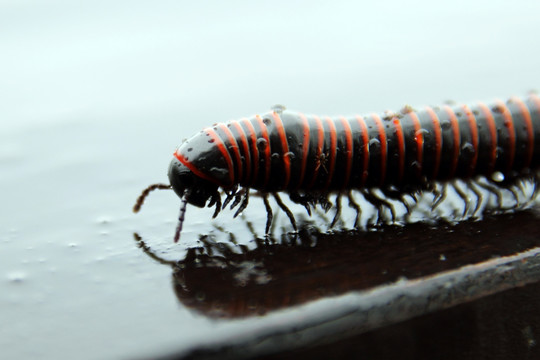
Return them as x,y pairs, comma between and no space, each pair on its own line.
338,210
439,197
216,199
269,214
399,196
536,187
534,192
514,191
493,190
324,202
356,207
238,198
478,194
463,195
379,203
243,205
230,195
286,209
301,200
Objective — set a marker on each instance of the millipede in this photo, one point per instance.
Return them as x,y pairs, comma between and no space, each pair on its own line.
389,157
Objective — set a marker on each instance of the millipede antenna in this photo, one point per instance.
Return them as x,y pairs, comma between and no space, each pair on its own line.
144,194
180,219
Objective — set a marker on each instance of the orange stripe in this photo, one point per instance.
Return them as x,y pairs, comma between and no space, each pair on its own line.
474,135
234,147
493,133
509,124
419,138
245,146
530,132
457,139
193,169
401,147
382,138
318,151
267,163
349,151
221,146
365,148
305,149
284,148
438,140
254,149
333,150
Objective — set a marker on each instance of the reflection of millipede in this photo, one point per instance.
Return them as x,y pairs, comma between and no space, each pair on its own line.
479,149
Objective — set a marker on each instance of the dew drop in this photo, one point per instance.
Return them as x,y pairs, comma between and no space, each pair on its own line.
190,149
218,171
211,140
16,277
446,125
275,156
374,142
278,108
290,154
267,121
468,147
261,143
497,176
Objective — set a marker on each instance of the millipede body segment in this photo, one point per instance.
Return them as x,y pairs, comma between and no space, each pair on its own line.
406,152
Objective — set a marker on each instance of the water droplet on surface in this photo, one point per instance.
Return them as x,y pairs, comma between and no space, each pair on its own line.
190,149
468,147
497,176
446,125
406,109
219,171
374,142
275,156
261,143
211,140
16,276
290,154
278,108
267,121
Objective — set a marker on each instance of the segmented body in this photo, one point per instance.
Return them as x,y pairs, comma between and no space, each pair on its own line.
287,151
402,153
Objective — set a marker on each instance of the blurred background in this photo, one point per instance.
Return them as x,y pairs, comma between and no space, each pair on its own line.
96,95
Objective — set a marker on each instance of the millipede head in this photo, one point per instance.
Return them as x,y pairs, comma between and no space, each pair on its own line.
190,187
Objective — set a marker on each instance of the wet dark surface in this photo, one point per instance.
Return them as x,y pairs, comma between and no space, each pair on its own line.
96,96
218,281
